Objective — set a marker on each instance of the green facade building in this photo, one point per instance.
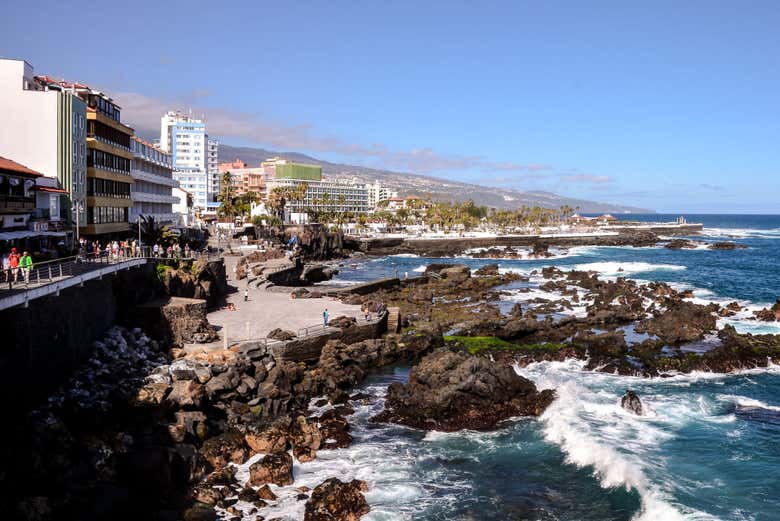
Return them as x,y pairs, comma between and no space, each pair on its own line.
299,171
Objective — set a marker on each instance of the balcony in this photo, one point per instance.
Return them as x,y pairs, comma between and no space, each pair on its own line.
17,204
143,197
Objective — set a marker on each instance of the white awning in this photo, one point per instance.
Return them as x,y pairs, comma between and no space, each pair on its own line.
21,234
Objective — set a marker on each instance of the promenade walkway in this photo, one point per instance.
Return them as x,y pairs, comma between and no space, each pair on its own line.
49,278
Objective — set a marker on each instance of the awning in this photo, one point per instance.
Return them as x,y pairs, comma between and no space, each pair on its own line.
21,234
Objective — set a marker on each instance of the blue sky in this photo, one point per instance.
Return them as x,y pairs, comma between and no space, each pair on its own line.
666,105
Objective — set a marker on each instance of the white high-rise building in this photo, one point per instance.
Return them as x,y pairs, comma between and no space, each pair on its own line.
212,167
185,138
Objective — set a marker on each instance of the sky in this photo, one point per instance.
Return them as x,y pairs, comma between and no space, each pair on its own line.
673,106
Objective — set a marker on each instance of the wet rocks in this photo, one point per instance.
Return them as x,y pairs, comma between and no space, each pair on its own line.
632,403
334,500
681,322
769,314
726,245
273,468
489,269
451,390
680,244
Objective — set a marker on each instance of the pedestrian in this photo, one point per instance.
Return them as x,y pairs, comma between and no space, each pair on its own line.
156,250
187,250
367,314
325,317
13,261
246,294
26,264
6,267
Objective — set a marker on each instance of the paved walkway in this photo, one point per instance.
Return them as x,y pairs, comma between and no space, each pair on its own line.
268,310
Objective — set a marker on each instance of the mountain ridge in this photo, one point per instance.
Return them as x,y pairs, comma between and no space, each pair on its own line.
438,188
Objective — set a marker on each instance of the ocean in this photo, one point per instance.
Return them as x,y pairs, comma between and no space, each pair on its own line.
709,448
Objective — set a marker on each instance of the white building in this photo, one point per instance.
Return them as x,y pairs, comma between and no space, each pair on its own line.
182,208
212,167
44,126
325,196
185,138
151,193
377,193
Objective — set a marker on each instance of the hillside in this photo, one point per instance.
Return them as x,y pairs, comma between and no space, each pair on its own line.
439,189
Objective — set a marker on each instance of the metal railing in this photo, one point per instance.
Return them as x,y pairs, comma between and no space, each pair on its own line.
47,272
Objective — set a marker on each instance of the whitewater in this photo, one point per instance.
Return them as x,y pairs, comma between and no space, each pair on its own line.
708,449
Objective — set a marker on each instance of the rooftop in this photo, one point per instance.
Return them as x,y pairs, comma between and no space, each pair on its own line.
13,166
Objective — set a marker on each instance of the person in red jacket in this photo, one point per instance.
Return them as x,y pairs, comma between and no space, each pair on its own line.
13,260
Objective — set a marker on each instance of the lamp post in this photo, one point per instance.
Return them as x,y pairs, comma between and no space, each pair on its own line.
78,207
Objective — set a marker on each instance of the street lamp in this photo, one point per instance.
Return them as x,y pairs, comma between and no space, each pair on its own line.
78,207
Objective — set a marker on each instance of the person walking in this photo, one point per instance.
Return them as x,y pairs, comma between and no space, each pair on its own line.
246,294
6,267
156,250
325,317
26,264
13,261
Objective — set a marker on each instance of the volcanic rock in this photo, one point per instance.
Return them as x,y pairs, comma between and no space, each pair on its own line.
273,468
281,334
632,403
451,390
334,500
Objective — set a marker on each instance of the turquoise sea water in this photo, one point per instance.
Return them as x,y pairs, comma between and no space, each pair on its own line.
709,449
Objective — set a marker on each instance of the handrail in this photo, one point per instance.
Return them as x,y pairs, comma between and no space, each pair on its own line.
47,272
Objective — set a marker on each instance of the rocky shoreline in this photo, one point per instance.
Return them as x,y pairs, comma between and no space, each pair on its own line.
145,430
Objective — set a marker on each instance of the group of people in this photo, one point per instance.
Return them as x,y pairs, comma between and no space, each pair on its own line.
131,248
14,264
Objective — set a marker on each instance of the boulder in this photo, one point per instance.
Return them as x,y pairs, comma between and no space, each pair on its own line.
273,468
281,334
186,369
490,269
451,390
680,244
334,500
226,448
681,322
632,403
185,393
726,245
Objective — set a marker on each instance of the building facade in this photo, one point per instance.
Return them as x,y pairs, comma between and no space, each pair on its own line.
185,138
335,196
152,192
44,126
378,193
109,157
212,167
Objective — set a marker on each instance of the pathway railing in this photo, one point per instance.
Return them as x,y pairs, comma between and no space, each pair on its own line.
47,272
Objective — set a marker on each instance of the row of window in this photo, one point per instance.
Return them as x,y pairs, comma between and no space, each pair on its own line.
100,159
108,188
99,130
104,106
106,214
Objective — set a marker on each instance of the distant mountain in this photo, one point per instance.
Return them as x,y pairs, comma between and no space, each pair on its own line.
439,189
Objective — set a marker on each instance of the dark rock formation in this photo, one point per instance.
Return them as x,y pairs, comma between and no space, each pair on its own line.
726,245
273,468
681,322
490,269
632,403
680,244
334,500
452,390
281,334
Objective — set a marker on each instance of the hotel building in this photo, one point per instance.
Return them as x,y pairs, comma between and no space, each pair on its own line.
185,138
321,195
152,192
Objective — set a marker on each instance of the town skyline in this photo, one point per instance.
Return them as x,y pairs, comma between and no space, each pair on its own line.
511,97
